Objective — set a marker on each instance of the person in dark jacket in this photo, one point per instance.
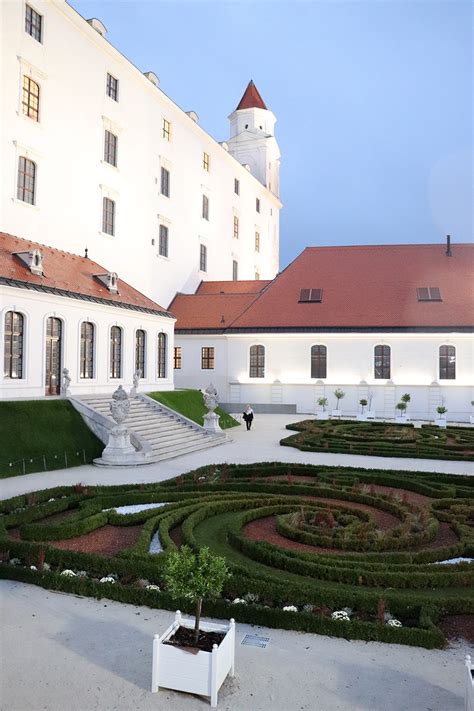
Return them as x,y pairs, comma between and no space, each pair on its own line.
248,416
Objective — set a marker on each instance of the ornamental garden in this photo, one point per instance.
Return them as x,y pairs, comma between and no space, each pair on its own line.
351,553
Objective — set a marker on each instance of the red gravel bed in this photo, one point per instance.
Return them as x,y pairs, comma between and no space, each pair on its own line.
457,627
176,535
108,540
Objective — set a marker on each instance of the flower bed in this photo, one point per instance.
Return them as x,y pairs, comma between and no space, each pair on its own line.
353,577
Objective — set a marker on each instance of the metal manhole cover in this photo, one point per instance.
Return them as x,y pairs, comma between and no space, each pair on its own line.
254,640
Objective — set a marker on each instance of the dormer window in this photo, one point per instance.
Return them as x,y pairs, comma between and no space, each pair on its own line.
33,260
109,280
313,296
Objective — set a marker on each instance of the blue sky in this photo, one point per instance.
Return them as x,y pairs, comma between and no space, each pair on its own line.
373,101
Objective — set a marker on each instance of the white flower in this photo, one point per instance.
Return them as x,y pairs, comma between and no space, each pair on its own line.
49,500
33,567
394,623
68,573
107,579
152,587
340,615
239,601
290,608
15,561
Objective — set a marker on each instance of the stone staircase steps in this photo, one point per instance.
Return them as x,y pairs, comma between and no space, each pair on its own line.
166,433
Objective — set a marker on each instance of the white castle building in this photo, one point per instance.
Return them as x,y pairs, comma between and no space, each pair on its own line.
95,155
114,200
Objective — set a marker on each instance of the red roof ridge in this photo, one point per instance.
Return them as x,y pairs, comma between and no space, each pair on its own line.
441,245
251,98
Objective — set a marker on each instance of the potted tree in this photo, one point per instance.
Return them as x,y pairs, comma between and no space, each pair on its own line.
441,418
338,394
193,656
401,407
362,414
322,402
406,398
471,416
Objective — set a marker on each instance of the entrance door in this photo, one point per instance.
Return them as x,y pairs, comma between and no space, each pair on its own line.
53,355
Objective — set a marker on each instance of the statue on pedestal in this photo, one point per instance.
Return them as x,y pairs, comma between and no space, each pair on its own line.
211,401
66,382
136,379
119,449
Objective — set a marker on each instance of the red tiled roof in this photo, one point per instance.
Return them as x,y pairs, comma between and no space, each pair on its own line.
369,287
251,98
232,287
66,272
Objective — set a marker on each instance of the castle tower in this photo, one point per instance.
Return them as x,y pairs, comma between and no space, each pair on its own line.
252,141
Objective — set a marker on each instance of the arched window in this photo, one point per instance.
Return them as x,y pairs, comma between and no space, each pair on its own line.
140,348
257,362
115,352
13,345
54,355
161,355
447,363
318,361
87,350
382,362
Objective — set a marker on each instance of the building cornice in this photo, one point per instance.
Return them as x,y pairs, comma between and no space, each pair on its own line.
326,329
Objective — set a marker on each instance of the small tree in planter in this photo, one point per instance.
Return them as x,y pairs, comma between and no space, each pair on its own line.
406,398
322,402
363,403
471,417
195,576
402,408
339,394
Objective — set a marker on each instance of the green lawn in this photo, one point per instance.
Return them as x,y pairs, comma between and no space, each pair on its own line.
43,434
190,404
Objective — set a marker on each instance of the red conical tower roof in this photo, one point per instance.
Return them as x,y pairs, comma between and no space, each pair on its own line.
251,98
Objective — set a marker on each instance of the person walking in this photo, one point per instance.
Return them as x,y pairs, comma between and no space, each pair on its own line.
248,417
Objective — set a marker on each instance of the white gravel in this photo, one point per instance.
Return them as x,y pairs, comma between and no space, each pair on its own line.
61,652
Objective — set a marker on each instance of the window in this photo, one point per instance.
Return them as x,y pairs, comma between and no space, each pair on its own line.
177,360
206,161
166,130
235,270
318,361
257,204
447,363
163,241
86,367
30,98
13,345
140,350
311,296
205,207
202,258
112,87
236,227
108,216
207,358
110,148
115,352
165,182
257,362
161,355
382,362
428,293
257,241
34,23
26,186
236,186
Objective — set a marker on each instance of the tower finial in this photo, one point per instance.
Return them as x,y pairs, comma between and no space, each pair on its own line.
251,98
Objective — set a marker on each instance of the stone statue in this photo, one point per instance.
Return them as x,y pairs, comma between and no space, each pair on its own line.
120,405
65,383
136,379
211,401
211,398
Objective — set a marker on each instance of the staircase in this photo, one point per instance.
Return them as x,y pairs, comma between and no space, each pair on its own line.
163,432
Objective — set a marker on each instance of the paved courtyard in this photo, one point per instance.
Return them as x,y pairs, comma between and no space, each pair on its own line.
261,444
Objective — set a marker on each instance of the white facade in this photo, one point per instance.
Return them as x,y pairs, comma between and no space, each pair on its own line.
350,366
70,66
36,307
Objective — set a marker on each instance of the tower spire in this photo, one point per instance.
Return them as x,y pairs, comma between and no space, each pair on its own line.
251,98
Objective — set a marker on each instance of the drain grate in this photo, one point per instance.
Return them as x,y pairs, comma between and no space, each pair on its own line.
254,640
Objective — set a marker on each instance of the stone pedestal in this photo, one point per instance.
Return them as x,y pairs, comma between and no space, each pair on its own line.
211,422
119,449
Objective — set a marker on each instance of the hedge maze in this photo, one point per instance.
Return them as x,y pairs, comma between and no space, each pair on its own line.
344,552
382,439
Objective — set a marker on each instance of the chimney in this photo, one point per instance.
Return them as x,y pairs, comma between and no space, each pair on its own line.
448,246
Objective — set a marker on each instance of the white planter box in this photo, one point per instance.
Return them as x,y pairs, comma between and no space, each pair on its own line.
401,420
471,419
362,417
441,421
469,685
371,415
202,673
322,415
336,413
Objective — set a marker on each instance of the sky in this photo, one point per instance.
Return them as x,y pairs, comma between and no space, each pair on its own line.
374,103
